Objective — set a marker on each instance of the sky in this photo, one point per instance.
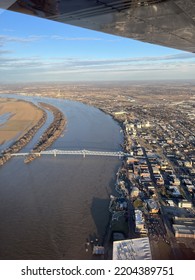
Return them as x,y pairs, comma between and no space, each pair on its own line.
38,50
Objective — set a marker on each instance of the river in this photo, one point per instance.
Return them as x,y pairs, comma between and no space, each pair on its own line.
51,207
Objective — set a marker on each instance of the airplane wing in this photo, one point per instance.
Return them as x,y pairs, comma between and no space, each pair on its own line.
169,23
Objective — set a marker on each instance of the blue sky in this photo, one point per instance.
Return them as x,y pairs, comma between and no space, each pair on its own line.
39,50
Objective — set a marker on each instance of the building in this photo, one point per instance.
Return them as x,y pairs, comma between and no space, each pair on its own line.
176,181
98,250
188,164
139,222
187,182
120,113
155,170
131,160
171,203
163,165
159,179
145,180
147,124
140,152
151,187
174,191
134,192
190,188
192,171
139,125
184,221
132,249
184,227
153,206
130,125
185,204
184,231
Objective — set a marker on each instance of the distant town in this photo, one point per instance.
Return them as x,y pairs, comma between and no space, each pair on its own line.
156,182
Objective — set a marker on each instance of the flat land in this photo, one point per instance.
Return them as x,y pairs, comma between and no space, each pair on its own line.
24,115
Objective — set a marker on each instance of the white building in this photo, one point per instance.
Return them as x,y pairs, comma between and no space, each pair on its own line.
190,188
132,249
147,124
139,125
185,204
139,222
171,203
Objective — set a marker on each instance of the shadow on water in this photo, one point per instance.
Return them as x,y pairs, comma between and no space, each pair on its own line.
102,217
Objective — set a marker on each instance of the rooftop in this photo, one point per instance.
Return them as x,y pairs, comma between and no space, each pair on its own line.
132,249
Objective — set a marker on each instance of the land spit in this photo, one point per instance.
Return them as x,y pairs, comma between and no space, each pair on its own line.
51,134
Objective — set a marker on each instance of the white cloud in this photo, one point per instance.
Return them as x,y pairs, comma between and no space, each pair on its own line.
177,66
57,37
33,38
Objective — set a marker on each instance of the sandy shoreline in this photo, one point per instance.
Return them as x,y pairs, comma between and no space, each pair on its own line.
24,115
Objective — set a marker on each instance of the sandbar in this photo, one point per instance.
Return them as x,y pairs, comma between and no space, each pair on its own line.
24,115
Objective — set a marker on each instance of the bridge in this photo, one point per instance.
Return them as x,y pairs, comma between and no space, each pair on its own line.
74,152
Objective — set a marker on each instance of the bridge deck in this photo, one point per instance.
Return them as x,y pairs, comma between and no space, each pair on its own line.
75,152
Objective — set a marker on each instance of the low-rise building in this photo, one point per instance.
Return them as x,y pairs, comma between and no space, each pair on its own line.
188,164
151,187
163,165
139,222
174,191
190,188
132,249
153,206
135,192
155,170
171,203
139,125
185,204
184,221
184,231
120,113
176,181
184,227
131,160
147,124
187,182
192,171
145,173
159,180
140,152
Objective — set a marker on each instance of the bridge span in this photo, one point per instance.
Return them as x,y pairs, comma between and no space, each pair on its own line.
74,152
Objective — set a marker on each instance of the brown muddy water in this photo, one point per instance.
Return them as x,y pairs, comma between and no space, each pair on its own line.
51,207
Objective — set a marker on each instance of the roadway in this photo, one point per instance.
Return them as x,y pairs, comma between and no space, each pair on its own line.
74,152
